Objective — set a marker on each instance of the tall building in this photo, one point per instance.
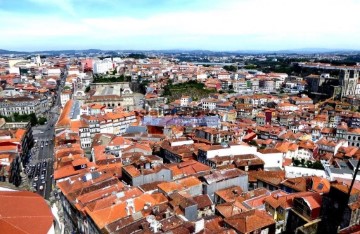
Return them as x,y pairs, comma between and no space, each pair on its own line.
348,80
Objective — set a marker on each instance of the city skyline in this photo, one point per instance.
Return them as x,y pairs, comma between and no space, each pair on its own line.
29,25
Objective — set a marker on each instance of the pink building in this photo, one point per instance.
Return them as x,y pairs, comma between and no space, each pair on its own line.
87,64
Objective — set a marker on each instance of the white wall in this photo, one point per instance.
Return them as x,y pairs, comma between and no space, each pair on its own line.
14,70
179,143
292,172
232,150
271,160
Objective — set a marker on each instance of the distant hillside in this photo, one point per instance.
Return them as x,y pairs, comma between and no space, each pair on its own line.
198,52
11,52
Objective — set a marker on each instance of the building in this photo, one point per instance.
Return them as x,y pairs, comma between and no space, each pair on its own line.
24,105
112,95
348,79
222,179
20,210
253,221
65,96
101,67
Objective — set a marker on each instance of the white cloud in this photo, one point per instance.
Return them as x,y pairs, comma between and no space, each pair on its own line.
64,5
256,23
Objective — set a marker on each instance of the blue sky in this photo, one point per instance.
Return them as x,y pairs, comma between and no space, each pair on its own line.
179,24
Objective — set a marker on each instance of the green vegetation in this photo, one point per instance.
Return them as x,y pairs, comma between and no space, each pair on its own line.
7,119
25,118
136,56
191,88
67,88
308,164
253,143
231,68
110,78
87,89
250,66
143,85
42,120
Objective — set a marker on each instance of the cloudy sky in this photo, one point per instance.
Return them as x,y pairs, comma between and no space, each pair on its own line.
179,24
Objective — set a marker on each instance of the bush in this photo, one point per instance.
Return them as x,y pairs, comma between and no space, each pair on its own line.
42,120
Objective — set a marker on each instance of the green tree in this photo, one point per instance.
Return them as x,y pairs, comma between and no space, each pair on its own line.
309,164
136,56
87,89
317,165
231,68
296,162
253,143
42,120
33,119
7,119
302,162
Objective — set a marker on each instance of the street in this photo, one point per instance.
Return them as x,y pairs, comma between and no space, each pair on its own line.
40,168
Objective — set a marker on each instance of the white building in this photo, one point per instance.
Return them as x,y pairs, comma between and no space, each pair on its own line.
52,71
185,101
209,104
64,97
14,70
271,159
223,76
102,67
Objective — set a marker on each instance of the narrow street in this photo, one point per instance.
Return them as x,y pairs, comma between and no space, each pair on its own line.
40,168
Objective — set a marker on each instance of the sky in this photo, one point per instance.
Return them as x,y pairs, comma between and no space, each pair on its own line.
219,25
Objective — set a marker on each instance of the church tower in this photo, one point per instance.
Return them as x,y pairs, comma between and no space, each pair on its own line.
348,79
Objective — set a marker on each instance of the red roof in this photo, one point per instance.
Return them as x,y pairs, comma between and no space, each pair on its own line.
24,212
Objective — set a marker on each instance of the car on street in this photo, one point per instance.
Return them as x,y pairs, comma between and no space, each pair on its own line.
36,178
42,177
34,185
43,182
41,187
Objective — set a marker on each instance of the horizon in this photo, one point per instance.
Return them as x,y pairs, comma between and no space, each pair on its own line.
295,50
229,25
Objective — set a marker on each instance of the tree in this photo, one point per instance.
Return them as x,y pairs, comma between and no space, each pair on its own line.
296,162
136,56
33,120
87,89
317,165
253,143
231,68
309,164
42,120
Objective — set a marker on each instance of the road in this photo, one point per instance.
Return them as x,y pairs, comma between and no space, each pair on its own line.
43,151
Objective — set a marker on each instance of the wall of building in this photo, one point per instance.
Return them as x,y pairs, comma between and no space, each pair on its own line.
241,181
